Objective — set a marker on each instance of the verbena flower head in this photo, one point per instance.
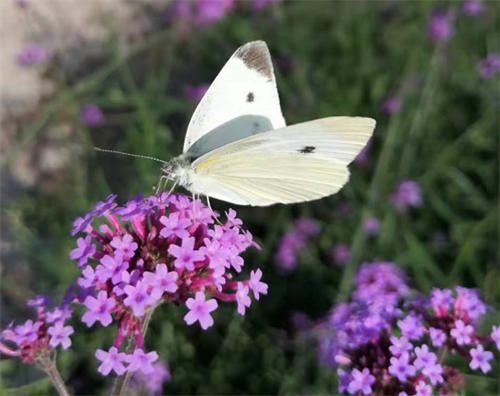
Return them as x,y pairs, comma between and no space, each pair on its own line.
161,249
385,342
38,338
212,11
341,254
440,28
472,7
489,66
391,106
293,242
32,54
91,115
408,194
371,226
151,383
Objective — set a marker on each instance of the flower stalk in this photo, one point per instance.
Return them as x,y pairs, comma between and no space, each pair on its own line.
49,367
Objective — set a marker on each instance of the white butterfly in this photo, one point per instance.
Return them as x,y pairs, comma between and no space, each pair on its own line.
238,148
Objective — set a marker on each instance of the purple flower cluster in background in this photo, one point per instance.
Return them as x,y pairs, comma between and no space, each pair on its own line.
201,12
386,342
440,28
472,7
408,194
38,338
293,242
489,66
32,54
154,250
194,93
91,115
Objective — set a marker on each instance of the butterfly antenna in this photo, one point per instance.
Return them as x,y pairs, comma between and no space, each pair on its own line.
130,155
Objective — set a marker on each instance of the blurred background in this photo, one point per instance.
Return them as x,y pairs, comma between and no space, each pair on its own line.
127,75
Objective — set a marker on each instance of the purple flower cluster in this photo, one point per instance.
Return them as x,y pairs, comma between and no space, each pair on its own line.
152,383
293,242
385,342
32,54
440,28
91,115
408,194
195,93
154,250
206,12
34,339
489,66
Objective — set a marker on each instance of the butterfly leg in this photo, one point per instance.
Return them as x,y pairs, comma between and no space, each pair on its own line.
160,183
213,213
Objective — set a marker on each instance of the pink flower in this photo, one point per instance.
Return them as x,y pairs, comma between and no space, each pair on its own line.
461,333
59,334
140,360
124,246
174,226
480,359
162,279
185,255
199,310
112,360
99,309
242,298
256,285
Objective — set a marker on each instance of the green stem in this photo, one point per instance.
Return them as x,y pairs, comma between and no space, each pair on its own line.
122,382
51,370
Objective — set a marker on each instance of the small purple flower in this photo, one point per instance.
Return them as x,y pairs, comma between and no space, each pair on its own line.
99,309
341,254
180,10
345,379
138,298
27,332
81,223
132,209
480,359
212,11
259,5
59,334
32,54
489,66
58,314
256,285
111,268
391,106
140,360
242,298
442,298
185,255
424,358
495,335
38,302
103,207
232,220
400,346
472,7
91,115
371,226
84,250
408,194
434,373
462,333
361,381
438,337
411,327
162,280
401,367
174,226
440,28
199,310
112,360
152,382
195,93
423,389
125,246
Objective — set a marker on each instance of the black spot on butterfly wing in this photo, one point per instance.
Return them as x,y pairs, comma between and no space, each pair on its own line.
255,56
250,97
307,150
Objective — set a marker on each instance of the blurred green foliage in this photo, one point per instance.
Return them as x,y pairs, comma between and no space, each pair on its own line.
343,58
